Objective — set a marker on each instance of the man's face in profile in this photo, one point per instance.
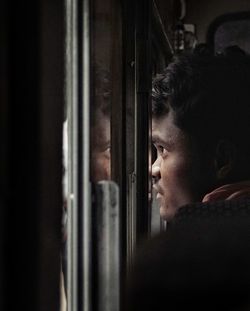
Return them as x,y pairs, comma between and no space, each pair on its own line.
100,147
175,167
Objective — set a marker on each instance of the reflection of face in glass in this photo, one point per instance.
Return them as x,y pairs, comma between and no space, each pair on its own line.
100,150
100,125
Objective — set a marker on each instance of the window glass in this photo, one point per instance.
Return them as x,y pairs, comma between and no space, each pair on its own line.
92,87
100,156
106,75
100,124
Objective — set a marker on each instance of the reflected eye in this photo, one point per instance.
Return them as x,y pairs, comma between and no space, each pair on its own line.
107,152
108,149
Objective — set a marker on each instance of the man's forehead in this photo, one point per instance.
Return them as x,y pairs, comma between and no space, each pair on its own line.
160,125
164,130
161,134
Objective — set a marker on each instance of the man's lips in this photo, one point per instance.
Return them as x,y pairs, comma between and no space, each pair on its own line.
158,196
157,190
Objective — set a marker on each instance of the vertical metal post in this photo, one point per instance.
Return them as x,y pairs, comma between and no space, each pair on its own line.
79,248
71,93
143,89
86,247
129,218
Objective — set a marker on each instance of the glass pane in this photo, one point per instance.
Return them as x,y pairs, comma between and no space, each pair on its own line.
106,77
93,87
101,96
100,125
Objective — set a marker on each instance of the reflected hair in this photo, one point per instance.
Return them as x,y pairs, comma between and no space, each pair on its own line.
101,89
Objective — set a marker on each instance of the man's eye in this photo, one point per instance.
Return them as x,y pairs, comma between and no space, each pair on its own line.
161,150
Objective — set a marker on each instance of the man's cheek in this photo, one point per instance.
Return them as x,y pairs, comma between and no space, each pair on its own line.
106,167
103,167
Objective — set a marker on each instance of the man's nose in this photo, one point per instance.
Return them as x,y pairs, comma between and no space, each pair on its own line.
156,172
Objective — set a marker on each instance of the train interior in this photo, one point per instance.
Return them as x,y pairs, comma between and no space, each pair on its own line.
76,194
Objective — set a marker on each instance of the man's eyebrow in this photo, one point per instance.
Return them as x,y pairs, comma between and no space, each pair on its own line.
158,140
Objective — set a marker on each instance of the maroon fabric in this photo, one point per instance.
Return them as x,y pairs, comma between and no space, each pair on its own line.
229,192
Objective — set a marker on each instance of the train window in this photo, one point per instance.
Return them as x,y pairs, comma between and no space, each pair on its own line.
230,29
93,95
107,139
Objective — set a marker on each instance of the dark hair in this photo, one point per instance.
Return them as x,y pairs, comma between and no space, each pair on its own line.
208,94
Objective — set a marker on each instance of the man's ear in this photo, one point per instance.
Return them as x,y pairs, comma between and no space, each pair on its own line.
224,159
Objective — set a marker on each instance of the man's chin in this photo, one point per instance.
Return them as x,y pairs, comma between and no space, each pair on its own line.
167,213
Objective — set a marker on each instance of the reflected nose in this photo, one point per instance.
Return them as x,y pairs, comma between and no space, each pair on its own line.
156,172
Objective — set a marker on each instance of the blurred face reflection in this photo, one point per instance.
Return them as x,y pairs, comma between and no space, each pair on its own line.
100,150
